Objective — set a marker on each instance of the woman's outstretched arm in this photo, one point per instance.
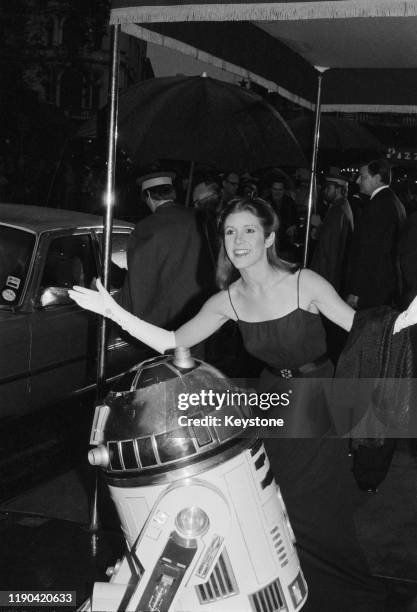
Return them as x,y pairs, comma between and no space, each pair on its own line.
323,295
328,301
206,322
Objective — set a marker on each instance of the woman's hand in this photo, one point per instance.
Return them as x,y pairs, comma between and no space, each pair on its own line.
412,312
102,303
99,301
407,318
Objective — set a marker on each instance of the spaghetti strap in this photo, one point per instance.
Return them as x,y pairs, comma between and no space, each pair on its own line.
231,303
298,289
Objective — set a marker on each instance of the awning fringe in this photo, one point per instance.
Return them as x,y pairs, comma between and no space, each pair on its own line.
208,58
268,11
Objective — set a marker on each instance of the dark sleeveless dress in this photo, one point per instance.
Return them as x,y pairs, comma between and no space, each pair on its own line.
312,468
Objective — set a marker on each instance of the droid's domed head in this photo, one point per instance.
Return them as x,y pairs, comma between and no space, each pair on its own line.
169,413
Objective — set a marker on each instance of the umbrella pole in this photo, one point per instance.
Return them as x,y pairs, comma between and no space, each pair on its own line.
190,184
312,186
108,226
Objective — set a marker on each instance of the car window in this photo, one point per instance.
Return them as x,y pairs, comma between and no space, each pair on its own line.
16,249
69,261
118,257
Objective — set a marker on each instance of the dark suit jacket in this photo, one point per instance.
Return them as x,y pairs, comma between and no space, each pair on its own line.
373,271
170,274
408,259
329,256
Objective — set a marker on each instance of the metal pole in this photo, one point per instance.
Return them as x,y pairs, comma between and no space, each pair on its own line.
107,234
312,190
109,199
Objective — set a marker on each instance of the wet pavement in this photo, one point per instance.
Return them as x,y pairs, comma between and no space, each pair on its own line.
46,544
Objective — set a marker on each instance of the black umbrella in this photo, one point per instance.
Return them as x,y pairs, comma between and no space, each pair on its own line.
204,120
335,134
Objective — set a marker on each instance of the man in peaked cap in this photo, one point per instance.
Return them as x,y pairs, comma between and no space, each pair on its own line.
169,270
331,251
329,259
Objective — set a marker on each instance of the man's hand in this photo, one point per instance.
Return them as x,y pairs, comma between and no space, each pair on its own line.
352,300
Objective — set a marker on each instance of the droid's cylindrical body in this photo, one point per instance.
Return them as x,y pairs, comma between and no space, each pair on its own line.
204,520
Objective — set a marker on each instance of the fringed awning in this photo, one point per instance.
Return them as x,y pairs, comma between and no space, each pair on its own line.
153,11
241,49
208,58
240,37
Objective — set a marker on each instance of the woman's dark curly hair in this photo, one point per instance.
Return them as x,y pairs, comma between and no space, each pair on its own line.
226,273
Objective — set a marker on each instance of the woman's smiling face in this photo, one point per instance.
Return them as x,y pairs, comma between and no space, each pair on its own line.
244,239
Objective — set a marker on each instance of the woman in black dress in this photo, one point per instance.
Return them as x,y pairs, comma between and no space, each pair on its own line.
277,307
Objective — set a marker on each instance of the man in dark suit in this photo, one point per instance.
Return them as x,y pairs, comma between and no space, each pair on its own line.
169,273
374,280
329,258
373,274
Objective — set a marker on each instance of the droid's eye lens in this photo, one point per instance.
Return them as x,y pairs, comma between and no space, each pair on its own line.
192,521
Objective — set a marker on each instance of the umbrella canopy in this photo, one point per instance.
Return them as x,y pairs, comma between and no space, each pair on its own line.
336,134
204,120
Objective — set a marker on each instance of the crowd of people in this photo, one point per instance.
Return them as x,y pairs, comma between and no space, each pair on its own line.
354,236
231,258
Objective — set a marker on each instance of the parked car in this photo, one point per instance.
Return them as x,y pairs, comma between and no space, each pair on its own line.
48,347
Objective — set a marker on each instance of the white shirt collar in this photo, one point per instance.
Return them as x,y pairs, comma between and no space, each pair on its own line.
378,189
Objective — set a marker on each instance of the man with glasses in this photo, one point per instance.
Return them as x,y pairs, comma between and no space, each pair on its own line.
230,185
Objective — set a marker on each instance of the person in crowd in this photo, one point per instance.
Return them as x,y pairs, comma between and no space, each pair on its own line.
302,182
249,186
169,270
230,186
373,275
357,200
276,306
406,190
277,193
329,259
373,279
206,201
330,253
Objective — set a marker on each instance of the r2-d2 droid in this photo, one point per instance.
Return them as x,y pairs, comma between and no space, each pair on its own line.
204,521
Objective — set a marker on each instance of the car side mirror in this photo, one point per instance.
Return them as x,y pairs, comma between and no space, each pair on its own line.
52,296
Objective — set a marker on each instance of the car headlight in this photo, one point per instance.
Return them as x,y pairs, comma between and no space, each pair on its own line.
192,521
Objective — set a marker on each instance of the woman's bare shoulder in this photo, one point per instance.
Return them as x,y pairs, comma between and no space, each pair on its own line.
311,279
317,288
221,302
312,289
217,302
